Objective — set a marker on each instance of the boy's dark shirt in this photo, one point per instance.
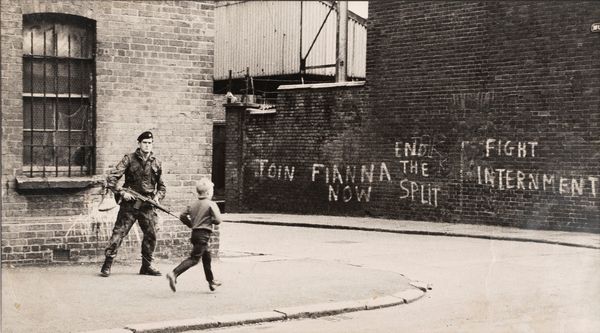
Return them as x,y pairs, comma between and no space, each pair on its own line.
202,214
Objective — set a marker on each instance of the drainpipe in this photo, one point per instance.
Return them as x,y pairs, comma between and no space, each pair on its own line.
341,42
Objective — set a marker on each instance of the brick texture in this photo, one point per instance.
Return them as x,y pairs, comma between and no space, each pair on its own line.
154,67
473,112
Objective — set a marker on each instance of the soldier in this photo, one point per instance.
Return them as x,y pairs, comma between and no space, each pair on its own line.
143,174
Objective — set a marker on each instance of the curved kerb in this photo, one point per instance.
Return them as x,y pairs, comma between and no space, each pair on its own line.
287,313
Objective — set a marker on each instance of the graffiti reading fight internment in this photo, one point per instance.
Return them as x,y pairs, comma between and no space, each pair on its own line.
501,177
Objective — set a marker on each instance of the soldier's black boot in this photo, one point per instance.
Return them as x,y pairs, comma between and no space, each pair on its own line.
105,270
147,268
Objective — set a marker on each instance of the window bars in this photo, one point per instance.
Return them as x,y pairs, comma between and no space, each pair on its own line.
58,95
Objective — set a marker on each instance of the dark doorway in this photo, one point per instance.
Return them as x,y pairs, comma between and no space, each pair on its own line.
218,163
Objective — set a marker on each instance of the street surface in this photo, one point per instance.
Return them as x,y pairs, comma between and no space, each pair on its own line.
478,285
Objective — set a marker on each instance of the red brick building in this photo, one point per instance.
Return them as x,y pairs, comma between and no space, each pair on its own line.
472,112
80,81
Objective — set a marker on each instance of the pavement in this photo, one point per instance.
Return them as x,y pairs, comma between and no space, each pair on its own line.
73,298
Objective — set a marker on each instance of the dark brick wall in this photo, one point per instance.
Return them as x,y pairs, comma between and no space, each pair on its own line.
317,128
481,112
154,71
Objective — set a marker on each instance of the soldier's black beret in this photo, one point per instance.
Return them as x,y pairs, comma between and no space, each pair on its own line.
145,135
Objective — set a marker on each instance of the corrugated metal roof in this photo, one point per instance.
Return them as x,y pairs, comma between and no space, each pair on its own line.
265,36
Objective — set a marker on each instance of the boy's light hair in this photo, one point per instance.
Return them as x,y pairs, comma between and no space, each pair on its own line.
204,187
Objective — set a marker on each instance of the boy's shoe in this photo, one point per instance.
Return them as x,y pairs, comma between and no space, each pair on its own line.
172,281
212,284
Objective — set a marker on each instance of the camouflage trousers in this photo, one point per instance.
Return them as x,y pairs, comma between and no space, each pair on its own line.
147,220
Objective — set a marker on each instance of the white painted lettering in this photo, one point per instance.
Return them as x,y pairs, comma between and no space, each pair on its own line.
364,172
509,179
361,194
410,151
489,176
414,166
413,188
508,150
593,181
532,144
272,173
423,148
404,189
404,163
520,178
488,146
562,188
435,192
337,175
289,174
547,180
350,175
500,182
522,149
347,192
261,166
315,170
398,149
383,170
577,187
423,201
534,181
332,194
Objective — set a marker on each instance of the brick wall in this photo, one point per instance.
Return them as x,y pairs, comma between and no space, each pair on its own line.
154,67
311,127
476,112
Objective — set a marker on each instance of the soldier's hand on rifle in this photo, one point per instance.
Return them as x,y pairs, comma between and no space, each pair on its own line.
126,196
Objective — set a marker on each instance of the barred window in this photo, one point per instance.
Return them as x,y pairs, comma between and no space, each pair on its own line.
58,95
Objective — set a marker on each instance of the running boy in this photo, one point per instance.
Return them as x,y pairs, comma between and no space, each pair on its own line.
200,216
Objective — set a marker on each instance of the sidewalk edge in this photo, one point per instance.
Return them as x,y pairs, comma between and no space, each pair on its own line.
281,314
416,232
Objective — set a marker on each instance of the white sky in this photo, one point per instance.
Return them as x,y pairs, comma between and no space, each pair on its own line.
359,7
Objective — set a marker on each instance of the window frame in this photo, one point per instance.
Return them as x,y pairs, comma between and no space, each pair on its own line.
86,60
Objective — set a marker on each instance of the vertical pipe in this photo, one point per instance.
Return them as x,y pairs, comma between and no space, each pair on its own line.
302,63
342,42
69,104
84,123
55,148
247,85
31,115
228,94
43,108
92,97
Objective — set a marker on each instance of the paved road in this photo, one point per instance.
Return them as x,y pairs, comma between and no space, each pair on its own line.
478,285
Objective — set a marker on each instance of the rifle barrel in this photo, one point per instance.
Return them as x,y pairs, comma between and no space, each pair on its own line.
150,201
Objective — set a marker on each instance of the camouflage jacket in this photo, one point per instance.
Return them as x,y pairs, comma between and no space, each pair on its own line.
144,177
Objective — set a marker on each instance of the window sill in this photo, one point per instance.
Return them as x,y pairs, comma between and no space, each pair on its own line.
40,183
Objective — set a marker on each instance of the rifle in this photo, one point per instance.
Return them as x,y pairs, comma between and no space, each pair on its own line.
139,199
